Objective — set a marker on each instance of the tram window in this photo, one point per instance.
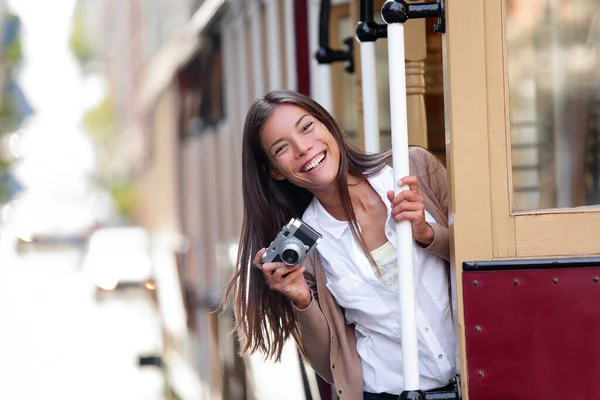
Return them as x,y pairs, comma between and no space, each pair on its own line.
553,53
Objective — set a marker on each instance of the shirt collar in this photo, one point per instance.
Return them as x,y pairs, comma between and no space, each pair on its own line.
325,221
335,227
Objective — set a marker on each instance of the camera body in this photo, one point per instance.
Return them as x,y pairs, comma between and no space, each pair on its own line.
293,243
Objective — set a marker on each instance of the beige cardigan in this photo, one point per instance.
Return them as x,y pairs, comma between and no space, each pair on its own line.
329,342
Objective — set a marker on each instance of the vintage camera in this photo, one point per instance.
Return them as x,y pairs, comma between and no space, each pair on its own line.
293,244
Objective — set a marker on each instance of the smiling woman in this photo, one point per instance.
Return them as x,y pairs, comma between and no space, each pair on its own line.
300,148
298,163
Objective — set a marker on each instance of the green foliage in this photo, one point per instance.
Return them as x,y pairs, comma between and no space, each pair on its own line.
11,55
13,52
100,124
4,165
125,197
8,114
78,42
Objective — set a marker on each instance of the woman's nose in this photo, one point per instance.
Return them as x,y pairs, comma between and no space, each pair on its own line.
302,147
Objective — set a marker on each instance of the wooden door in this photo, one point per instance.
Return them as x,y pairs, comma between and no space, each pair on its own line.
521,82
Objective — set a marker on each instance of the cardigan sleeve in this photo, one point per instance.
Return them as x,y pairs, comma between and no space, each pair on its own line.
315,333
441,242
437,182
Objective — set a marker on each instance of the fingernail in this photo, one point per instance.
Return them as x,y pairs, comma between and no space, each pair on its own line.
302,269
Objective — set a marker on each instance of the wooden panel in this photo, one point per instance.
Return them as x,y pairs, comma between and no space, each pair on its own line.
465,87
498,132
558,234
415,53
533,334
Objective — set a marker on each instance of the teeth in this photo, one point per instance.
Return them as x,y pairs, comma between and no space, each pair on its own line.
314,162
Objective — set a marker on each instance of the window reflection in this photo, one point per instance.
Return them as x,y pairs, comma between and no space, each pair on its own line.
553,50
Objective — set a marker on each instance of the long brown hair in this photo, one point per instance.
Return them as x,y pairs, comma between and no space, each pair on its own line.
265,319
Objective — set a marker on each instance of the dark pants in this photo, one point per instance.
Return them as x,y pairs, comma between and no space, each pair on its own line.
388,396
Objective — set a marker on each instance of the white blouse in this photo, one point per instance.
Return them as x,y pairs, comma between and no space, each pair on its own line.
373,306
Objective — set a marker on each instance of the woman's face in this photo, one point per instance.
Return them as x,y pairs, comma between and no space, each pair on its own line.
301,149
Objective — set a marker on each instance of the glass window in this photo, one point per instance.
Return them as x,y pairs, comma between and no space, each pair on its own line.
553,53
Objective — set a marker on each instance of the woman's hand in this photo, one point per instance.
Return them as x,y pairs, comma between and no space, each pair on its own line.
409,205
285,279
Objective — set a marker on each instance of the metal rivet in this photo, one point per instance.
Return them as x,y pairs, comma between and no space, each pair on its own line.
477,328
516,282
480,374
475,283
596,279
475,265
555,281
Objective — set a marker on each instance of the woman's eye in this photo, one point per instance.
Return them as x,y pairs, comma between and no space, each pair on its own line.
280,149
307,126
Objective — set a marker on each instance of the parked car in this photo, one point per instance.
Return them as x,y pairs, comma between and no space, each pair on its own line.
118,258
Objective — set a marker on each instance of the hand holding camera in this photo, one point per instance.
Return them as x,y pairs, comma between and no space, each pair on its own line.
281,261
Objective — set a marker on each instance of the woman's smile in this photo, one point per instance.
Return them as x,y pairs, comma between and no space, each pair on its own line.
315,163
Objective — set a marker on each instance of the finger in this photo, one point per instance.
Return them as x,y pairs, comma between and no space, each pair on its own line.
285,285
407,196
412,216
268,269
280,273
390,195
257,261
273,266
407,207
411,182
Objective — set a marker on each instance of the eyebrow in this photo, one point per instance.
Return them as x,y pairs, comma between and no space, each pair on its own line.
300,119
295,125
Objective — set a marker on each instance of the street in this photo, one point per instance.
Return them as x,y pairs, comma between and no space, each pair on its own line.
61,342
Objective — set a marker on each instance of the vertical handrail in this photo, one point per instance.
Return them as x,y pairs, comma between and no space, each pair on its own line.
404,240
395,13
367,32
369,97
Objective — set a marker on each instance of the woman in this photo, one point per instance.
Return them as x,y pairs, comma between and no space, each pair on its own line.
341,306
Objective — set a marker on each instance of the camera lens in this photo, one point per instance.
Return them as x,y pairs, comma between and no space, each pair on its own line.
290,256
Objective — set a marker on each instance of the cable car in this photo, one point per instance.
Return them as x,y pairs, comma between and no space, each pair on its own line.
505,93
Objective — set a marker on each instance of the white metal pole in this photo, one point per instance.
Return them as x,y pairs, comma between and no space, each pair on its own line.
369,94
404,240
320,74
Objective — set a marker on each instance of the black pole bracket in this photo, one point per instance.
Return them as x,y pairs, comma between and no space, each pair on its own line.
400,11
325,55
412,395
367,29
